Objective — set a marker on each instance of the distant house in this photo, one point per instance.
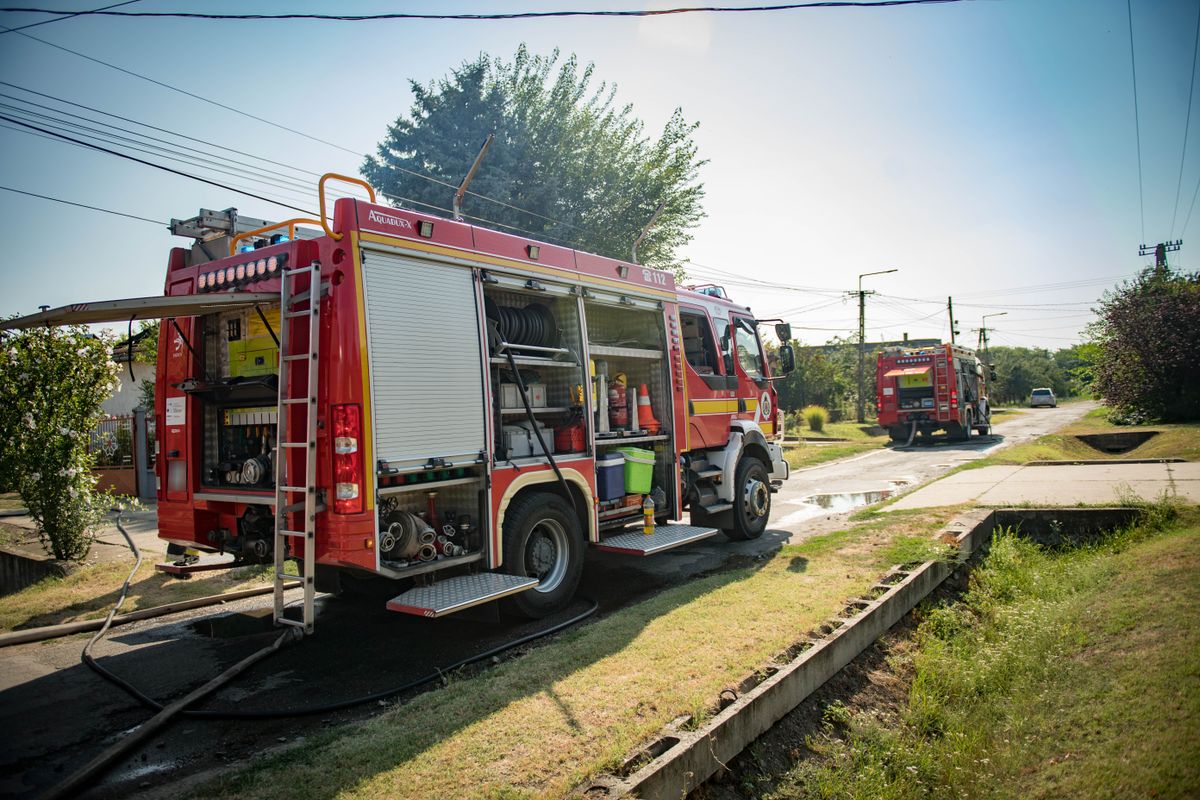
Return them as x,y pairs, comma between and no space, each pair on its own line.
129,390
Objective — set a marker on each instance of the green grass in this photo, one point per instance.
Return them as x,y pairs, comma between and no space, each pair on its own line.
538,725
10,500
1068,674
858,440
90,591
1173,441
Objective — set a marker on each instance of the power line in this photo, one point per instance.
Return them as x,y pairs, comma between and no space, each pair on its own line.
82,205
68,15
1137,126
1190,208
310,137
64,137
501,16
1187,123
257,175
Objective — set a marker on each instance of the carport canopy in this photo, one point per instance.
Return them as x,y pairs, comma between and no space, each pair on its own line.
142,308
894,373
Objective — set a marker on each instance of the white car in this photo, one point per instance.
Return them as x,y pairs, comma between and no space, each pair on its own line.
1043,397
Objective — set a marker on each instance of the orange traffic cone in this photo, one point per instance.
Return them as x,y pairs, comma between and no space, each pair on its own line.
646,412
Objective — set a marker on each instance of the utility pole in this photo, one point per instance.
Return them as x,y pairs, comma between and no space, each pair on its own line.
1160,251
862,337
953,325
984,344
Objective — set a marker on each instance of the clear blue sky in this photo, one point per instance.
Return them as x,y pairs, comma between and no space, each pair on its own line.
977,147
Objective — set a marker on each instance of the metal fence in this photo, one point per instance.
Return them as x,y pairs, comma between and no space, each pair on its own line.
111,441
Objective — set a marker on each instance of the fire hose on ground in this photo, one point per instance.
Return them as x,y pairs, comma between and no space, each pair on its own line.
180,708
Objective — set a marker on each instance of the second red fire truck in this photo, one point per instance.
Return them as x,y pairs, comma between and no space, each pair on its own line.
930,389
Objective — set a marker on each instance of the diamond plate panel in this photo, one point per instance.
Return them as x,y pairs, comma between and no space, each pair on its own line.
665,537
454,594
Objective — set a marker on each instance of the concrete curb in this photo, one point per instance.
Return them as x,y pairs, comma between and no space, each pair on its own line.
682,759
1104,462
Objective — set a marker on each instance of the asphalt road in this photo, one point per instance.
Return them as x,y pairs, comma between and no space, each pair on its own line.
55,714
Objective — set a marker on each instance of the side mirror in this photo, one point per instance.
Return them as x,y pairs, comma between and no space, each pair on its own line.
787,358
784,331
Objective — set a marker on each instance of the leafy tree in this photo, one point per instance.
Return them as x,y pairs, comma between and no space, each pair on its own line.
1078,364
1148,335
564,150
1019,370
824,376
52,382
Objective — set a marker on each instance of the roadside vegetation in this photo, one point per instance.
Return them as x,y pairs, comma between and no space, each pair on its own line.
1179,440
833,441
90,590
1064,674
539,724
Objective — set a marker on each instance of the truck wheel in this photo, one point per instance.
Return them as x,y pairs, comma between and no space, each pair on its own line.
751,500
898,433
542,540
965,430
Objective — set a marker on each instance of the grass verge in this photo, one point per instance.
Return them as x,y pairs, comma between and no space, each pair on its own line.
859,439
537,725
1173,441
1069,674
90,591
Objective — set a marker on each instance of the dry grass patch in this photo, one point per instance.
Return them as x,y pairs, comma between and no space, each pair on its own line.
89,592
538,725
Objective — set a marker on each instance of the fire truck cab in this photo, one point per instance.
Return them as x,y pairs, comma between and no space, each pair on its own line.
389,393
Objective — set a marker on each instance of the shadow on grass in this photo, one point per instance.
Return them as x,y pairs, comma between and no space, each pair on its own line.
358,649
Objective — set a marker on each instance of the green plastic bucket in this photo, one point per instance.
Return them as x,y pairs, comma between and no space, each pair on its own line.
639,469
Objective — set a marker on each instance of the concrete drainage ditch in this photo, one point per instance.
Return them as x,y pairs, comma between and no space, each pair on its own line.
687,754
1119,442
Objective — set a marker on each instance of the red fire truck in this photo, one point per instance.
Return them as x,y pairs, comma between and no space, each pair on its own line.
401,395
924,390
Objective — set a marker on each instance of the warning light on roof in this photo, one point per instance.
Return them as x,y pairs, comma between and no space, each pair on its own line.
425,229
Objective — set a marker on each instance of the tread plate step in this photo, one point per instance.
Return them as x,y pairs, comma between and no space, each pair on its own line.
454,594
665,537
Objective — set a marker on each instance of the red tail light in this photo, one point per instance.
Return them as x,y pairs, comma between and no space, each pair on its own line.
954,398
347,459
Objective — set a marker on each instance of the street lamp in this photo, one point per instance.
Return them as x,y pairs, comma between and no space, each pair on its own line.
862,332
983,334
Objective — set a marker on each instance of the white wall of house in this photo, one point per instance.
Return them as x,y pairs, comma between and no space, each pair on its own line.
129,392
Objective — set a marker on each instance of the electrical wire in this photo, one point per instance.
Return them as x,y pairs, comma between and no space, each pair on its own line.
162,167
82,205
493,17
291,130
1187,121
1136,123
1190,209
276,183
68,15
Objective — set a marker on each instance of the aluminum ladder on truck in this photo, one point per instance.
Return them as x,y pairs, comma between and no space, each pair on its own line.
287,485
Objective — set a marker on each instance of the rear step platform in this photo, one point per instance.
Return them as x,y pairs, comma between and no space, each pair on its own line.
462,591
665,537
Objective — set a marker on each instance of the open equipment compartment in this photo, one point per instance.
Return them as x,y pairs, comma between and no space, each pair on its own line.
238,393
627,337
537,323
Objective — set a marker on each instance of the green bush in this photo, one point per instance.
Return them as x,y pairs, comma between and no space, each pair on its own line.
816,417
52,382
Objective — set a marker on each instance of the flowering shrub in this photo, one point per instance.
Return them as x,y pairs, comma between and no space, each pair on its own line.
52,382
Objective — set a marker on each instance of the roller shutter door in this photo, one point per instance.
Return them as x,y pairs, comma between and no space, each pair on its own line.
425,359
